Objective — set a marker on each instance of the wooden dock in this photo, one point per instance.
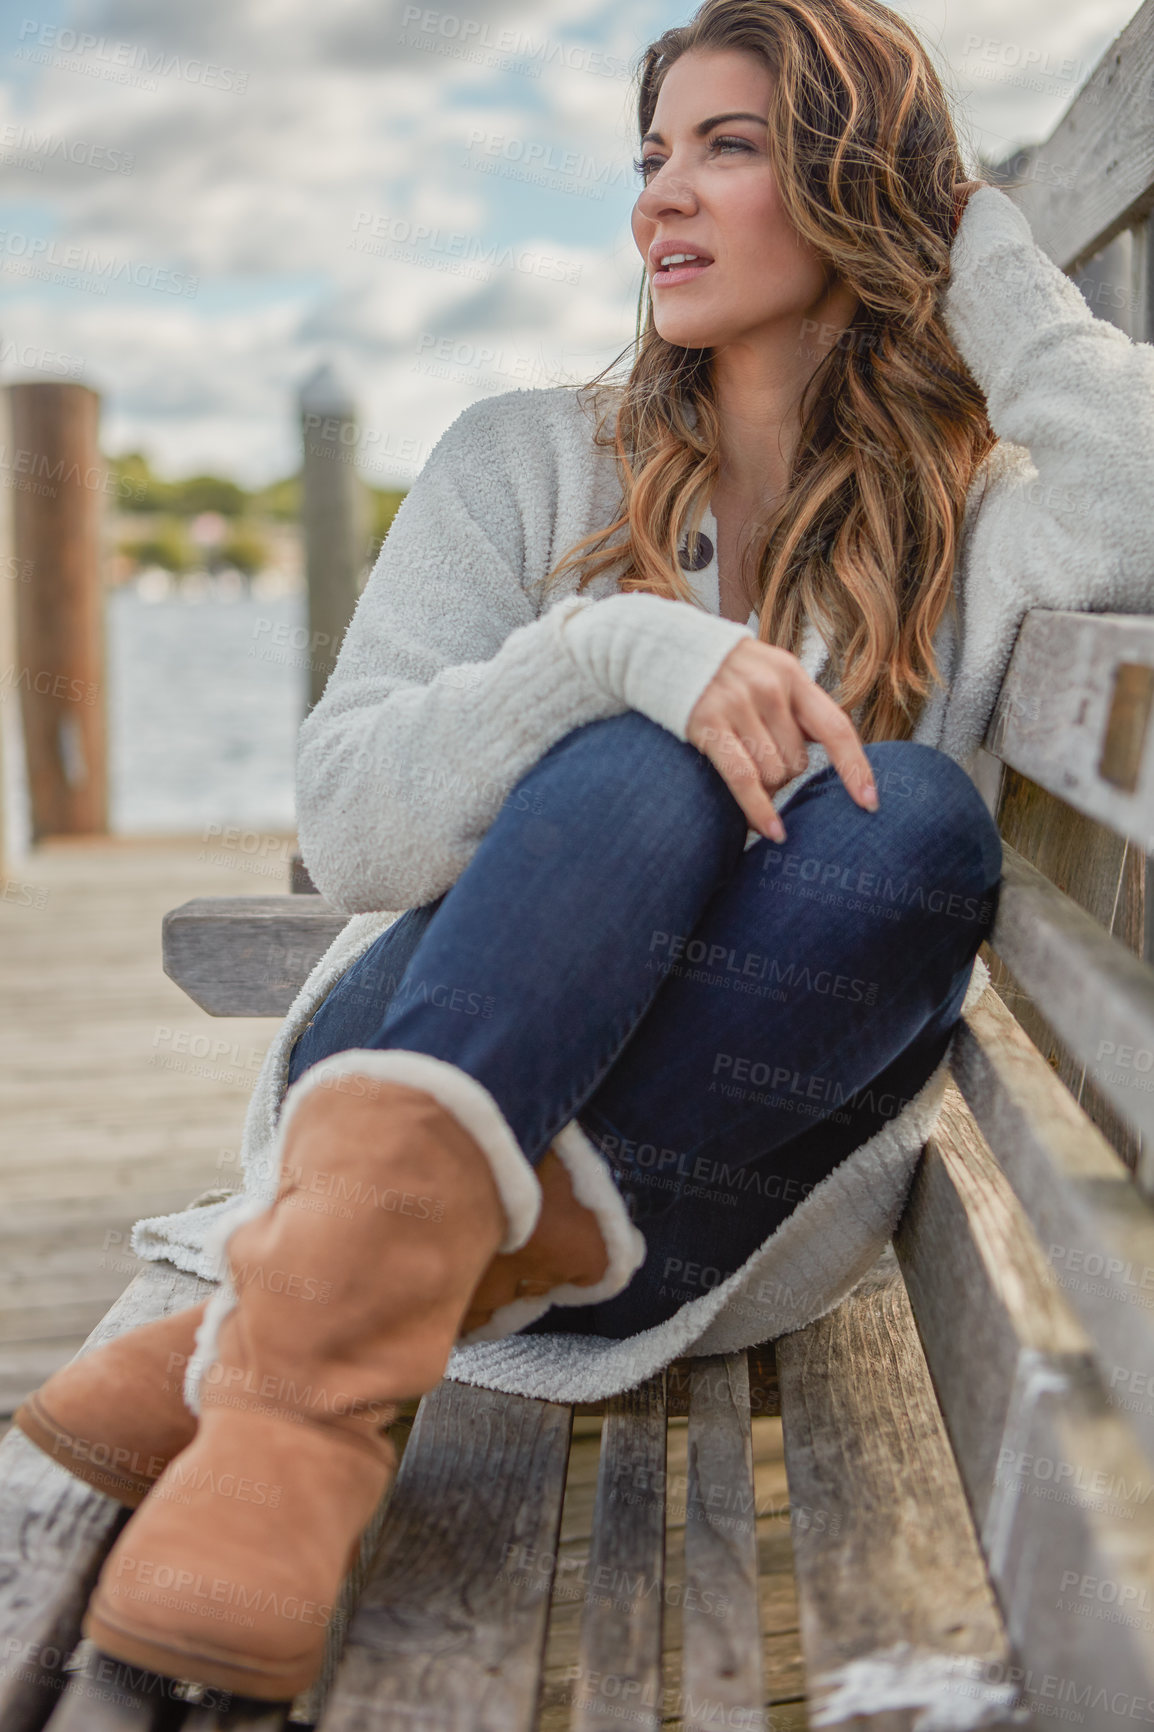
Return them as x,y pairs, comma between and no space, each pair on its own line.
119,1097
116,1102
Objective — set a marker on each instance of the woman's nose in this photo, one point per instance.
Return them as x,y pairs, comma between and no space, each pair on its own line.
662,195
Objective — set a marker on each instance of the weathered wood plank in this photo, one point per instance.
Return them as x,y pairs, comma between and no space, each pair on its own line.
238,1716
764,1394
247,955
101,1122
966,1250
894,1599
54,1532
1096,1229
1101,872
722,1679
1057,1484
1097,996
1066,710
1094,174
107,1695
449,1632
619,1653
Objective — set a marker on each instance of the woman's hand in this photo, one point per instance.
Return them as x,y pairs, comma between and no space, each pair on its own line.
752,722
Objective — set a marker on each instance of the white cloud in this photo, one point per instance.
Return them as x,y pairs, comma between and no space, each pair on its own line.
256,192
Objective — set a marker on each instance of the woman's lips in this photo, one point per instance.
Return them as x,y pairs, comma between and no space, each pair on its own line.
679,274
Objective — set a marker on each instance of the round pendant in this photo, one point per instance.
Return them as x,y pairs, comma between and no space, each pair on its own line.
699,557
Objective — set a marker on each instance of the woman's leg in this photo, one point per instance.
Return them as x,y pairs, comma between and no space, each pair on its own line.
612,954
534,968
545,974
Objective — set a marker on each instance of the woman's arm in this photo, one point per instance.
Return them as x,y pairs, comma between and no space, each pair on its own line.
447,688
1068,526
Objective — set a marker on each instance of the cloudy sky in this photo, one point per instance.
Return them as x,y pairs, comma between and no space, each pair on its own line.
203,202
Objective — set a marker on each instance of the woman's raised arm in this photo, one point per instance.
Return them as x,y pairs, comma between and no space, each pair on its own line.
1068,528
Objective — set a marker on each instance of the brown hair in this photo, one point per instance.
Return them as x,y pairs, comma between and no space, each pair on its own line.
893,424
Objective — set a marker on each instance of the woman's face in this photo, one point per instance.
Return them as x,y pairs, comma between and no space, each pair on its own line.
713,191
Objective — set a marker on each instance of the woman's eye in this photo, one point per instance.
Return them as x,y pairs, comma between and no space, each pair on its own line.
645,164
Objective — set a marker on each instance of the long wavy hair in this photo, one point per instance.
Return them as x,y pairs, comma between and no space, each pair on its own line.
893,425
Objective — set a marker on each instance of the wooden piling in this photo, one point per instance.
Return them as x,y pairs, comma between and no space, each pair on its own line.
9,576
58,482
333,508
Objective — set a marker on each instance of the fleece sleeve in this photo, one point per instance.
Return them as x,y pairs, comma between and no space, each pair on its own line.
448,687
1068,528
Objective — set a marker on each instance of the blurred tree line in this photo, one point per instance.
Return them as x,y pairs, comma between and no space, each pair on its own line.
168,509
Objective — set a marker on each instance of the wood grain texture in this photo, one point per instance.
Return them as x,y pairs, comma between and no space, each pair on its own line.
247,955
54,1532
982,1293
619,1653
60,617
449,1633
107,1113
333,518
722,1679
1057,725
1062,1494
107,1695
897,1611
238,1716
1104,874
1051,719
1098,996
1094,1226
1094,174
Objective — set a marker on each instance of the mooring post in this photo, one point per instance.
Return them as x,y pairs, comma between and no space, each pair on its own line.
9,577
333,508
58,484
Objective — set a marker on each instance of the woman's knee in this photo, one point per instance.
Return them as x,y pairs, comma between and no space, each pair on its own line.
632,761
936,810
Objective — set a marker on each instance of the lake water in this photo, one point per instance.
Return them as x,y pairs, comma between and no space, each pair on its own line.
205,698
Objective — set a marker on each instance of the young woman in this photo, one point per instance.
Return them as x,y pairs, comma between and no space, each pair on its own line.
653,717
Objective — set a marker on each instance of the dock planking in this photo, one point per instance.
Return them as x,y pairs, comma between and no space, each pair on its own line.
111,1105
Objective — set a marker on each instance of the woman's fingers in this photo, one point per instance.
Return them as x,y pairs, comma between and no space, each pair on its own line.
831,727
776,741
738,769
753,720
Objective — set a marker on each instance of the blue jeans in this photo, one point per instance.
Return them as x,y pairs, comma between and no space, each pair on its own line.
726,1023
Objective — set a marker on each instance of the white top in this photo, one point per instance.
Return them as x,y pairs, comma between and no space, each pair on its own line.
706,585
452,681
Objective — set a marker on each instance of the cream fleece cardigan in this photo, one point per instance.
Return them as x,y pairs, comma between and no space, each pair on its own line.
452,681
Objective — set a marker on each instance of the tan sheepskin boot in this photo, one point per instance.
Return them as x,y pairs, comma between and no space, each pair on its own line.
342,1297
116,1416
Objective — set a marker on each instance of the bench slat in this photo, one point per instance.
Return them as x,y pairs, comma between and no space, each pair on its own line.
1031,1428
247,955
105,1695
620,1639
1095,1227
1096,168
1103,873
893,1593
55,1531
721,1670
449,1632
1056,711
1091,988
238,1717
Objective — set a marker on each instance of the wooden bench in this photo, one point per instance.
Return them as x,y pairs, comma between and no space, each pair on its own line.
968,1438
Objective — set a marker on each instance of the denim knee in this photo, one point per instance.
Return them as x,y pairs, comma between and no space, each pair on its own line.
915,779
626,755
